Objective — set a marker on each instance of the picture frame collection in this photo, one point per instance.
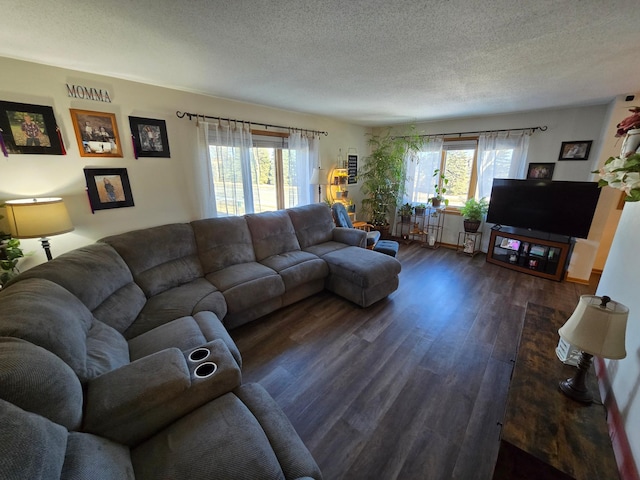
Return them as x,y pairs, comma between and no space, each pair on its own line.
32,129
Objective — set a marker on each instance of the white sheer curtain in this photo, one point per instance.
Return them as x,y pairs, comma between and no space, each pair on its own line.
500,155
302,153
420,181
228,170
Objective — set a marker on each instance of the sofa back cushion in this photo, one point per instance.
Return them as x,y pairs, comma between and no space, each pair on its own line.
222,242
313,224
47,315
272,233
31,446
38,381
100,278
161,257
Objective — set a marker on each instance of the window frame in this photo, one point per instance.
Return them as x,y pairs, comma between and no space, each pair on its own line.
473,180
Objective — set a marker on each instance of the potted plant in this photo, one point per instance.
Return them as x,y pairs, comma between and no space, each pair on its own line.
383,176
440,188
420,209
473,212
405,212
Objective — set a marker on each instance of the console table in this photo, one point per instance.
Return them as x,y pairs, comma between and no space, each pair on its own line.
546,435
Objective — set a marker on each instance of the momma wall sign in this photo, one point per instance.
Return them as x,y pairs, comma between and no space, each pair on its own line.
88,93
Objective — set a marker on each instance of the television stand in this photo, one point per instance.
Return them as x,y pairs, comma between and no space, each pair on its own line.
537,253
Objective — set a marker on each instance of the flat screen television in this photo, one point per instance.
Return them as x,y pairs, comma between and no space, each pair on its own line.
561,208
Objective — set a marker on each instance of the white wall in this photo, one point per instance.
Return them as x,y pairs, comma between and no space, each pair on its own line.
161,187
567,124
620,282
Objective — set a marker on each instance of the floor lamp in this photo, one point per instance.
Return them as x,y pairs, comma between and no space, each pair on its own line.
319,178
596,327
38,217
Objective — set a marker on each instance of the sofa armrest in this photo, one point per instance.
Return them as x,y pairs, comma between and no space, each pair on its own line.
350,236
133,402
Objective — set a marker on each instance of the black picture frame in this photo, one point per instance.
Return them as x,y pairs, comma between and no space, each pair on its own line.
101,196
40,137
576,150
149,137
540,171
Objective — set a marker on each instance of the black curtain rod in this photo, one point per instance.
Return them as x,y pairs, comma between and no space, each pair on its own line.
459,134
180,114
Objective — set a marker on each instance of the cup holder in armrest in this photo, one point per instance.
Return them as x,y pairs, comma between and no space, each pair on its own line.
199,354
205,370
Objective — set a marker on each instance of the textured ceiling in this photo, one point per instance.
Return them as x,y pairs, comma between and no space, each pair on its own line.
369,62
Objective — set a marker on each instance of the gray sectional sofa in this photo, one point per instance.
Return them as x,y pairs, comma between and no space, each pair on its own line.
116,361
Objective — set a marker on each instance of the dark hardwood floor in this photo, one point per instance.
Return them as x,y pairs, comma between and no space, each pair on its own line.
413,387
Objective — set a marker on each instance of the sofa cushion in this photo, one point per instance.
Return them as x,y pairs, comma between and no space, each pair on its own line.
272,233
37,381
221,439
47,315
222,242
159,257
106,349
297,267
96,458
114,299
321,249
188,299
247,284
31,446
313,224
362,267
184,333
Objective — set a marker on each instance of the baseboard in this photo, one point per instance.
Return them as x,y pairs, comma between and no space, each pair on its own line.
619,440
576,280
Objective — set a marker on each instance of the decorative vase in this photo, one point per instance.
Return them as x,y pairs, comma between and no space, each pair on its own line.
630,143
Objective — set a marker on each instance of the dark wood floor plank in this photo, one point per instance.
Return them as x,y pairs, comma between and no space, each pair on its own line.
412,387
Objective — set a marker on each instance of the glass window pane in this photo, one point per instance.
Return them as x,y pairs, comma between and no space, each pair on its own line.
227,180
458,168
264,190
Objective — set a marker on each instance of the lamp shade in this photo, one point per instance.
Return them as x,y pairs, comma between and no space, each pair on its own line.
37,217
597,327
315,176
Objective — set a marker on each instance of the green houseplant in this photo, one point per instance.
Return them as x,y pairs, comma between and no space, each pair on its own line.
10,253
383,175
440,188
473,212
405,212
420,209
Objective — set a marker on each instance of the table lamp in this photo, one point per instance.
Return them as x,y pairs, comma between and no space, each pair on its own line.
318,177
596,327
38,217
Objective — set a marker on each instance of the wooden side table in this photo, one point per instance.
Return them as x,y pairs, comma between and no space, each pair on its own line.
546,435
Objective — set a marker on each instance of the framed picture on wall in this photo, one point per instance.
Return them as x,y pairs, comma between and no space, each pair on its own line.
108,188
578,150
97,133
29,129
541,170
149,137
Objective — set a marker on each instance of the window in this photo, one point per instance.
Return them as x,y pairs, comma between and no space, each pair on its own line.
456,158
470,165
268,179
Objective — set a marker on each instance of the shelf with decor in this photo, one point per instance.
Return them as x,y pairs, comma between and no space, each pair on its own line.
425,227
542,255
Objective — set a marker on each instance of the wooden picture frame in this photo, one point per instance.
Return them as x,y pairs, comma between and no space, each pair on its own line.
149,137
108,188
96,133
29,129
576,150
540,171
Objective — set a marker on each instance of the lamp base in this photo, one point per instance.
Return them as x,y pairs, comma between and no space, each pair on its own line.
576,387
47,247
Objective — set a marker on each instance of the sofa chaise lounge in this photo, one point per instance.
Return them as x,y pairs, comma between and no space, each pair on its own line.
116,361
